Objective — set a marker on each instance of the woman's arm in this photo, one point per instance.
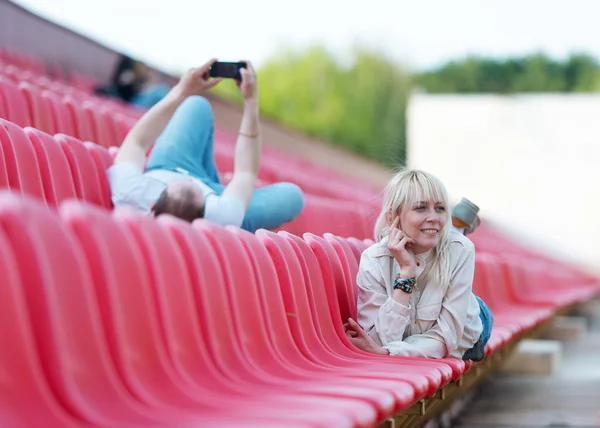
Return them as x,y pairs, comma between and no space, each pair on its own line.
149,127
444,337
384,318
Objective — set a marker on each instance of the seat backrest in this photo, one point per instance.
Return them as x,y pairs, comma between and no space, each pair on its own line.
106,133
54,168
83,122
25,396
84,171
332,269
38,107
42,159
328,315
210,296
481,286
20,159
273,310
9,162
358,246
62,119
4,183
87,112
349,265
124,293
291,279
515,285
488,271
14,103
242,293
3,107
63,312
173,291
102,161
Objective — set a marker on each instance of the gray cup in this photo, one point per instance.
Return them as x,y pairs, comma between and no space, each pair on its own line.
466,211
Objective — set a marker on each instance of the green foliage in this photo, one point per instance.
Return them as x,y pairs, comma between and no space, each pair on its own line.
361,105
533,73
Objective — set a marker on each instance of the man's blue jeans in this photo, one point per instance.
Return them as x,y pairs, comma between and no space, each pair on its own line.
187,143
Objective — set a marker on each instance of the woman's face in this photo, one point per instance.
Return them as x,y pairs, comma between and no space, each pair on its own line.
424,222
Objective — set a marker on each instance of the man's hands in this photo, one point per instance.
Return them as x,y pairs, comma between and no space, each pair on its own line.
196,80
361,339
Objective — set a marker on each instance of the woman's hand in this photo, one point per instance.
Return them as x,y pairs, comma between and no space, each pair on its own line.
196,80
399,245
361,339
248,85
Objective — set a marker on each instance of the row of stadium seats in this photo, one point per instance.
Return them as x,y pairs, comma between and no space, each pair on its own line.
124,320
61,167
115,319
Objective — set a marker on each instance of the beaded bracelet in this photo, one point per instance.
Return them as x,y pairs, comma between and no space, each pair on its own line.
405,284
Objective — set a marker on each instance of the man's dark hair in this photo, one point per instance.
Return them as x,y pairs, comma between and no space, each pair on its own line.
183,207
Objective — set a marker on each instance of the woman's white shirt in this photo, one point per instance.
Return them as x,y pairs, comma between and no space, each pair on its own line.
441,320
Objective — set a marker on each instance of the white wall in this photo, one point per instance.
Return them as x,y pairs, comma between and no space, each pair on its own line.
531,162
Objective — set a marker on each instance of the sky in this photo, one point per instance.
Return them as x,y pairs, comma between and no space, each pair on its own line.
176,34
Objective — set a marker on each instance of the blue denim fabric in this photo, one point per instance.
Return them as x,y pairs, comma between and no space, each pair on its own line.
487,319
187,143
477,352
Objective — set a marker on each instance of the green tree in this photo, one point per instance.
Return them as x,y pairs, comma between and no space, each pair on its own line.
360,106
531,73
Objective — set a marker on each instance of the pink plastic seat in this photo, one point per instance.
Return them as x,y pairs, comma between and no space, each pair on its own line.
518,317
84,126
38,107
14,103
132,317
26,399
21,163
54,167
184,339
84,171
63,121
65,321
102,161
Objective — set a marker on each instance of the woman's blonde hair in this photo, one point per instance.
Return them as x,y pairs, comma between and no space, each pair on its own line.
405,188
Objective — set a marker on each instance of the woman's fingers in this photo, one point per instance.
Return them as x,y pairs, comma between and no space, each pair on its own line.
402,244
357,329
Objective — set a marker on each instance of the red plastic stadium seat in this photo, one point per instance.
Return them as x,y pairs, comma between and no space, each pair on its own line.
63,121
84,126
133,313
14,103
21,163
38,107
55,172
84,171
26,399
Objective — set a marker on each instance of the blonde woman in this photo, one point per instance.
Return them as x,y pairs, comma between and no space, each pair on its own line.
415,283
